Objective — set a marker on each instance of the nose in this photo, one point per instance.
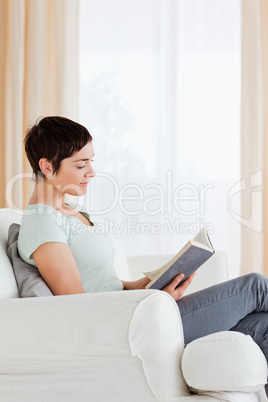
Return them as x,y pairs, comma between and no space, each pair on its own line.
90,172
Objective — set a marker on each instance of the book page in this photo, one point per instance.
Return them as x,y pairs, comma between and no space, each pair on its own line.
203,238
152,274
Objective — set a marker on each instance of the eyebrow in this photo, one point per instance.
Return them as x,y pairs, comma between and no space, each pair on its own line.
86,159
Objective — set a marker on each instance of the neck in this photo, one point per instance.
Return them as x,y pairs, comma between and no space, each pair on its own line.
45,193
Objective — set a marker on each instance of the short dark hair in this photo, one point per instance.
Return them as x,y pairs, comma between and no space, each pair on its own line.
54,138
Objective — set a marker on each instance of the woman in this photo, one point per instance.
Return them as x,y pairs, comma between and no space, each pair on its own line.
54,236
72,260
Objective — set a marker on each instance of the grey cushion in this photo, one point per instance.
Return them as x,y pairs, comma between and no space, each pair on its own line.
30,282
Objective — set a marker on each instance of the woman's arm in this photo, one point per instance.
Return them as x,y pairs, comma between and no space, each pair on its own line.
58,268
139,284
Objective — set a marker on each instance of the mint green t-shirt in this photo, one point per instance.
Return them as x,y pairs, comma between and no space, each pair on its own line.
93,251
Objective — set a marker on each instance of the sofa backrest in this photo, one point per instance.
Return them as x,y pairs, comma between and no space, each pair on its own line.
8,286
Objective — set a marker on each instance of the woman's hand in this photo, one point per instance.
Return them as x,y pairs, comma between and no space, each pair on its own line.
177,291
139,284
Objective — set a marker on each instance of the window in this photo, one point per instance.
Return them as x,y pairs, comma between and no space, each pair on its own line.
160,93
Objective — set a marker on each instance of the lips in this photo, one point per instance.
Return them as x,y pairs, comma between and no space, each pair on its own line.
84,184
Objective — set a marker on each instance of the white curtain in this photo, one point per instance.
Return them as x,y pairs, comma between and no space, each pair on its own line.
160,93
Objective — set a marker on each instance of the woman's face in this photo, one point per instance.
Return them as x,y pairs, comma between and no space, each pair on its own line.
75,172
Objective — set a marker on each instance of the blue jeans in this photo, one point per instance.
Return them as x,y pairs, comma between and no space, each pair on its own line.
240,304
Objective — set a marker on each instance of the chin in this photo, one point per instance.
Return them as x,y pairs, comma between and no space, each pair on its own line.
77,192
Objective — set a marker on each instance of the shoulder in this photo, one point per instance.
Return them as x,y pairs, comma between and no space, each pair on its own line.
39,218
40,213
40,224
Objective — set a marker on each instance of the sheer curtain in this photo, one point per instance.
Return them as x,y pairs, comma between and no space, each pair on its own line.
38,77
160,93
254,136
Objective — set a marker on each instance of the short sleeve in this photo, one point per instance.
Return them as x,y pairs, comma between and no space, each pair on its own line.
40,226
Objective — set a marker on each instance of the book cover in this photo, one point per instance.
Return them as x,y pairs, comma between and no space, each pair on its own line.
187,261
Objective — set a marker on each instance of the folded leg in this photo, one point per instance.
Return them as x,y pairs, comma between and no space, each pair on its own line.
223,306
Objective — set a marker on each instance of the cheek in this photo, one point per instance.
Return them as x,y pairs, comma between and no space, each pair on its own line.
74,175
68,178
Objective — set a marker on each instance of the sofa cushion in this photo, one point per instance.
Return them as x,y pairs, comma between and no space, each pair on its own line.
29,281
224,361
8,285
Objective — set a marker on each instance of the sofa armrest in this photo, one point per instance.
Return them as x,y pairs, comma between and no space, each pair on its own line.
224,361
132,334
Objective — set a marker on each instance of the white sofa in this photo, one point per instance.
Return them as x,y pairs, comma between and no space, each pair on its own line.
118,346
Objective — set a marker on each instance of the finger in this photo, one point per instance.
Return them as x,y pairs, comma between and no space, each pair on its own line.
170,288
190,278
186,283
176,281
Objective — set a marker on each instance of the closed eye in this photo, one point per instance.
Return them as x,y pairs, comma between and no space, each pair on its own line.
81,167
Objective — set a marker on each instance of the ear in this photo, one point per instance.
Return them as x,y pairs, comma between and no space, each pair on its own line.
46,168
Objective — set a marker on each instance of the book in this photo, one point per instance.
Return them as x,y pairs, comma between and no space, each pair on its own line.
186,261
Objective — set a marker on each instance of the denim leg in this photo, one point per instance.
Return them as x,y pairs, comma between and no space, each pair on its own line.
255,325
223,306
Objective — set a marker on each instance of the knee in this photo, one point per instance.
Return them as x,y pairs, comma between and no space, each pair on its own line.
257,278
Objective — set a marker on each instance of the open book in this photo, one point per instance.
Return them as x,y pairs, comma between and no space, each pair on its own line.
186,261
